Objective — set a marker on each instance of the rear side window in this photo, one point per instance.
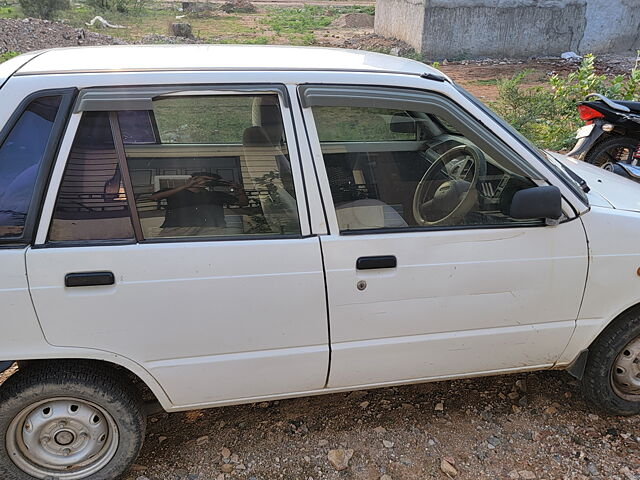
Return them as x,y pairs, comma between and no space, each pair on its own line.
21,156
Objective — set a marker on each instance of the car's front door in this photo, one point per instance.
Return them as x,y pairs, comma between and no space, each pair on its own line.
179,240
428,274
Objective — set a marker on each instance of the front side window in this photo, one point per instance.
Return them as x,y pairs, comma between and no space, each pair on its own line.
21,156
400,169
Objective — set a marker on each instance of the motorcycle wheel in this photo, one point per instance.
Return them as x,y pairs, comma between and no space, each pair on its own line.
614,150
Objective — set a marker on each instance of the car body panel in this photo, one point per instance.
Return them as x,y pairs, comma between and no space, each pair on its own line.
614,281
619,192
454,298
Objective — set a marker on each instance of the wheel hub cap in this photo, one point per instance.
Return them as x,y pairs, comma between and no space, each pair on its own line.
63,438
626,371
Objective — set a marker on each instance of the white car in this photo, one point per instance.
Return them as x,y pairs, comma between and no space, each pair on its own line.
213,225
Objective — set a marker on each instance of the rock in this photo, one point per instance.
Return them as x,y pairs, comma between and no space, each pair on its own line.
263,405
380,429
439,407
550,410
339,458
161,439
513,474
225,452
514,395
527,474
516,408
227,468
493,440
364,404
447,468
570,56
323,443
387,444
181,30
431,442
385,477
521,386
202,440
138,468
238,6
593,471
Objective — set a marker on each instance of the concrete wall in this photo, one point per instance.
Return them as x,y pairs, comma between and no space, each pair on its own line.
510,28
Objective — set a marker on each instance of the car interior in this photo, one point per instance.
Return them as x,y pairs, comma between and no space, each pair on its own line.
425,173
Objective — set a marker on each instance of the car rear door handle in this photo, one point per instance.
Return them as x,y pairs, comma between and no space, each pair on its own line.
89,279
380,261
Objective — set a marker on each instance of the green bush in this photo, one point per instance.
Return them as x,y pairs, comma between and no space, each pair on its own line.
120,6
43,8
547,115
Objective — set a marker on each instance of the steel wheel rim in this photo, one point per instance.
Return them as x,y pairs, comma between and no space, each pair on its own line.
63,437
625,373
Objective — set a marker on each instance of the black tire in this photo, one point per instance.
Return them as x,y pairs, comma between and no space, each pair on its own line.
598,383
613,149
84,382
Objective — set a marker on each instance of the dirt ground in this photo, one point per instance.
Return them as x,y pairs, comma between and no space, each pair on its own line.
522,426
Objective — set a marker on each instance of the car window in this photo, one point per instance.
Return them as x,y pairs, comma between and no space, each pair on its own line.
433,177
203,119
92,202
21,155
237,180
223,172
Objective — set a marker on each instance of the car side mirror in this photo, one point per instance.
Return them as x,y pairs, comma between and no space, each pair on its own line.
402,123
537,202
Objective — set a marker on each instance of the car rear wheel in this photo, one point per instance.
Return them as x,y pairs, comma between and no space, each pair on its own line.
68,422
612,375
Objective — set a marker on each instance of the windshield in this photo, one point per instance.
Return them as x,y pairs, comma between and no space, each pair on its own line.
564,173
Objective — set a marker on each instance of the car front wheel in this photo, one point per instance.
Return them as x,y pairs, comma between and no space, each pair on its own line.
612,375
68,422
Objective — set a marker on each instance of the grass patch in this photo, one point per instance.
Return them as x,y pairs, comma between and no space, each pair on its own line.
308,18
7,56
10,12
486,82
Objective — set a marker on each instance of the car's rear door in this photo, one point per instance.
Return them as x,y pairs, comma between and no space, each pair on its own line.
446,294
179,238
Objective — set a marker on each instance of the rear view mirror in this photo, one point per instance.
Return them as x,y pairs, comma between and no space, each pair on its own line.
537,202
402,123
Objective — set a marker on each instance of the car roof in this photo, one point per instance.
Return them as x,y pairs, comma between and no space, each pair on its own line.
135,58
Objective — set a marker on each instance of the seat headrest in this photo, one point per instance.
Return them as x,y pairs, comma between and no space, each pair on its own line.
255,137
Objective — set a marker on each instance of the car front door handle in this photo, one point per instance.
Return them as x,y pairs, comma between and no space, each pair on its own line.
89,279
380,261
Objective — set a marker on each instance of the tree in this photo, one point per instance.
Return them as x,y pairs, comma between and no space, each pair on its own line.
43,8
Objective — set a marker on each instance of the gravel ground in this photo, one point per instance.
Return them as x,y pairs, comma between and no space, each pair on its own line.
30,34
528,426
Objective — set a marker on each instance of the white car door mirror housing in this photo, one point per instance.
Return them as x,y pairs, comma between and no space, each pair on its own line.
537,202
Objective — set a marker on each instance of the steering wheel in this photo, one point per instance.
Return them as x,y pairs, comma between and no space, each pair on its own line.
453,198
